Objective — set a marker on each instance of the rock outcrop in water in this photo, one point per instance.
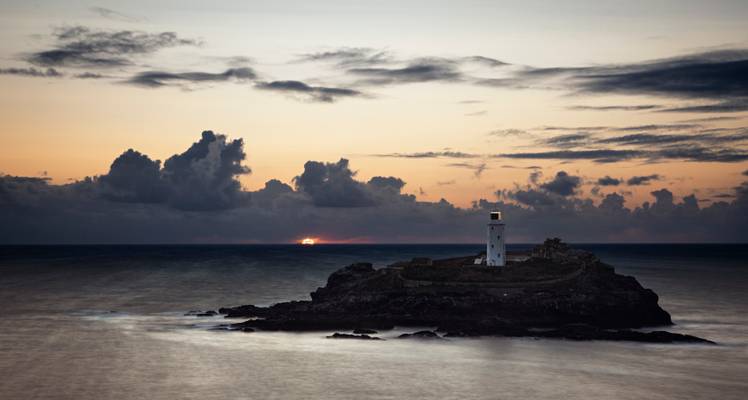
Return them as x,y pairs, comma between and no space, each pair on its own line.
553,291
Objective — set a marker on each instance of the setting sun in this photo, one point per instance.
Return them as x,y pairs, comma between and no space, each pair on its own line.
308,241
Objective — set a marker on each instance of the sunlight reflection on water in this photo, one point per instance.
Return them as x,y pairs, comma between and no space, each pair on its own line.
307,365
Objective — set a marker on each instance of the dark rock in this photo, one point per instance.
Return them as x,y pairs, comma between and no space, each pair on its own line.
422,261
555,291
337,335
247,329
242,311
364,331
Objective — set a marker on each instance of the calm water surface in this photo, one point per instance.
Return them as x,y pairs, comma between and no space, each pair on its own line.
106,322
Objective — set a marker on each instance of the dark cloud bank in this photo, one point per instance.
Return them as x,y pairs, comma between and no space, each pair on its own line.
195,197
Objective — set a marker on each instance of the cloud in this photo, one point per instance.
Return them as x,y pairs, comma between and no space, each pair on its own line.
509,132
564,141
157,79
657,127
201,178
312,93
645,139
113,15
204,176
333,185
608,181
687,153
477,169
476,113
424,70
727,106
718,79
706,138
699,145
82,47
700,154
574,128
603,155
563,184
664,198
380,67
718,75
642,180
516,167
31,72
715,79
503,83
613,203
535,176
373,65
487,61
533,198
135,178
642,107
349,57
713,119
387,183
430,154
90,75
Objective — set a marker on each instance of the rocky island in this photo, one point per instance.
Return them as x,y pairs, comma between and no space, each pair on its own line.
553,291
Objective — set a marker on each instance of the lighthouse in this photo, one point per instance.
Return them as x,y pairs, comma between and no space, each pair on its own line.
495,247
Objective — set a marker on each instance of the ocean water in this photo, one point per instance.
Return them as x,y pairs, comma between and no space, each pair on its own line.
106,322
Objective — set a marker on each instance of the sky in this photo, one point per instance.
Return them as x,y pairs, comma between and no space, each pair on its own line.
388,121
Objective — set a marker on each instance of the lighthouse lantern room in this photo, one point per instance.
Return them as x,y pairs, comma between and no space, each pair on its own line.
495,247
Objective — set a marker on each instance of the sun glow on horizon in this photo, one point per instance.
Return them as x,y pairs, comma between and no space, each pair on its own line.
308,241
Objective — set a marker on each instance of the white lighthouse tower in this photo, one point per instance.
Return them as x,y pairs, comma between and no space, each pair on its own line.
495,247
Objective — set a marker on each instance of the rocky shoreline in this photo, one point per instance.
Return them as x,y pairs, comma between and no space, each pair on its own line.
553,291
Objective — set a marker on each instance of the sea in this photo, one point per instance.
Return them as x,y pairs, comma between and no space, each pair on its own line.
108,322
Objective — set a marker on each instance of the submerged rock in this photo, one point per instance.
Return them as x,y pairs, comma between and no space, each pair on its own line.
420,335
587,332
337,335
197,313
550,291
210,313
